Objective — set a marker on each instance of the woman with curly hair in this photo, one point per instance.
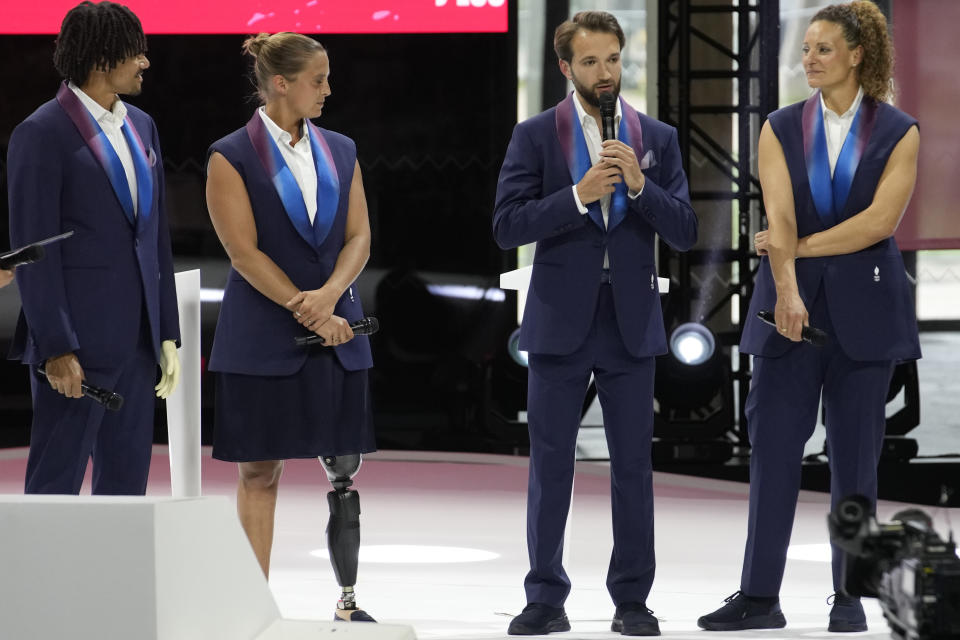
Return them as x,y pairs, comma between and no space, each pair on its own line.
837,171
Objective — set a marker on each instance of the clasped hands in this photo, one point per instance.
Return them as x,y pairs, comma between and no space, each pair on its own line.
314,311
618,163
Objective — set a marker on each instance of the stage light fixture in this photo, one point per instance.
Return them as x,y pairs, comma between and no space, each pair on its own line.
903,383
513,347
692,343
905,380
693,395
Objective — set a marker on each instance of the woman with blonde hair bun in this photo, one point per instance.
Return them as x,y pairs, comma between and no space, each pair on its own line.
286,199
837,171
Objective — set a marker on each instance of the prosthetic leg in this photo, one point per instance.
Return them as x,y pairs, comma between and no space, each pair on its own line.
343,533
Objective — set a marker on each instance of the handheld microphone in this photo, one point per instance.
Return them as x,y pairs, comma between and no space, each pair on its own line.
362,327
814,336
25,255
30,253
109,399
607,110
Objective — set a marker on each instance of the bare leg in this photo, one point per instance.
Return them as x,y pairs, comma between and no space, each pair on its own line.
256,503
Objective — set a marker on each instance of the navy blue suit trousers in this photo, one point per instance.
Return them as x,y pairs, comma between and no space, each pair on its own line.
781,416
556,390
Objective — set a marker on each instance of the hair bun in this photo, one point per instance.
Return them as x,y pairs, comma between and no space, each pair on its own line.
253,45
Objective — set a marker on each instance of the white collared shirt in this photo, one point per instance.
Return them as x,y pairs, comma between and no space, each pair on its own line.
111,122
299,159
837,127
591,132
594,138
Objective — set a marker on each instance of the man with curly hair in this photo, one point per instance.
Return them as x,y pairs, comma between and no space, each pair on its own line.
101,307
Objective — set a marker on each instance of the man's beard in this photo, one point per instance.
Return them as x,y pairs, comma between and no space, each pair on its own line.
590,95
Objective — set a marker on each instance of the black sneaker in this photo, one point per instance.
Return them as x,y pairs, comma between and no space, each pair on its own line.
352,615
539,619
847,615
634,619
743,612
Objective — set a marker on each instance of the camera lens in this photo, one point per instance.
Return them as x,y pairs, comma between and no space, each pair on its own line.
850,511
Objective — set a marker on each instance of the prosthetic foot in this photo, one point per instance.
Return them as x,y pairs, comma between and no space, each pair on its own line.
343,533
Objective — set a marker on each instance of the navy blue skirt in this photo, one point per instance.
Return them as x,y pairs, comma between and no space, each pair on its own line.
322,410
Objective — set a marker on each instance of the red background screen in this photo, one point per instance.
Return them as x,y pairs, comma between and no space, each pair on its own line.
251,16
928,85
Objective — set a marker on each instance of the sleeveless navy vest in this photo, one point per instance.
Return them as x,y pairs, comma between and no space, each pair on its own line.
254,335
868,295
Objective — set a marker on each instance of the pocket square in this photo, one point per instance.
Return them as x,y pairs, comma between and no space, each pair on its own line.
648,160
151,157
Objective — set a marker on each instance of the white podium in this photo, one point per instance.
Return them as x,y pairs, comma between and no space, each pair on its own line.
94,567
183,405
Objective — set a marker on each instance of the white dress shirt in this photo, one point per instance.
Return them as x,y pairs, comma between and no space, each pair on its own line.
591,132
837,127
110,122
299,159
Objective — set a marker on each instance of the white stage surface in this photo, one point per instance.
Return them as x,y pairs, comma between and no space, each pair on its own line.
444,550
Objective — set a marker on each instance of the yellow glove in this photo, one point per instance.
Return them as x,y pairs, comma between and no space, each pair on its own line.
169,369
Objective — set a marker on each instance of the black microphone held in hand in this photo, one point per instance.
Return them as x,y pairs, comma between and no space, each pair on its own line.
814,336
608,109
24,255
362,327
109,399
29,253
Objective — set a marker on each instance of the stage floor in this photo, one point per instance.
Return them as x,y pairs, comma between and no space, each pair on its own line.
444,550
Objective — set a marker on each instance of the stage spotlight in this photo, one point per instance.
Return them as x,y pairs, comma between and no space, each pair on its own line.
692,343
513,347
905,388
907,417
693,393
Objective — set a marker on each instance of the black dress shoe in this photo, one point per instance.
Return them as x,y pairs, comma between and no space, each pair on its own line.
847,614
539,619
743,612
634,619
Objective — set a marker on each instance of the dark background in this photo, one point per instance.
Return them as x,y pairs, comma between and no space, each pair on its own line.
431,115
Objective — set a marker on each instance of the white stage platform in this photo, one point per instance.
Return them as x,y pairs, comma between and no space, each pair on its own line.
444,550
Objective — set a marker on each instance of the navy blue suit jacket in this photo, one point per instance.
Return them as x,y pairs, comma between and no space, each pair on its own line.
91,291
255,336
868,295
535,203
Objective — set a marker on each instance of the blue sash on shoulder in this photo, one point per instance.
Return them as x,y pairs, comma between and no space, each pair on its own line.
830,194
97,140
574,145
328,182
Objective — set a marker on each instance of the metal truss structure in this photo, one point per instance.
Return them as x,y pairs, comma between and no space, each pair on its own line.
731,71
